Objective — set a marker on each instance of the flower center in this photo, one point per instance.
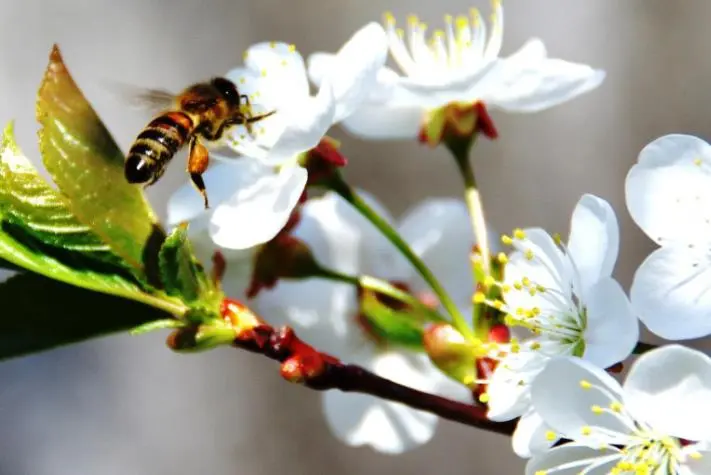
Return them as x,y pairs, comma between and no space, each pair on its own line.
463,44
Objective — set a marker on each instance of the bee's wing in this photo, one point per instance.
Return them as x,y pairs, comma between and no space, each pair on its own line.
153,100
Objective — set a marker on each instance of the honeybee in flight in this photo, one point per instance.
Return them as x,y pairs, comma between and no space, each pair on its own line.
199,115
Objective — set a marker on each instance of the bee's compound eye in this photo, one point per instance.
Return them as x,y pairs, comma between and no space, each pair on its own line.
137,169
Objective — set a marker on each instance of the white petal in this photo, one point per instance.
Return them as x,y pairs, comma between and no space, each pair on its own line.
668,193
594,239
525,82
612,328
282,69
384,122
529,438
510,385
256,212
353,72
670,389
351,244
386,426
439,232
318,65
670,293
557,395
698,466
221,181
576,458
305,127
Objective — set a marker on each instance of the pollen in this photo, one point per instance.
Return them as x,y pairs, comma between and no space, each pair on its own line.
698,162
535,346
263,73
413,21
541,472
586,430
551,436
272,44
502,258
242,80
389,18
292,48
484,398
529,254
597,410
519,234
479,297
557,239
695,455
616,406
506,239
489,281
585,384
245,55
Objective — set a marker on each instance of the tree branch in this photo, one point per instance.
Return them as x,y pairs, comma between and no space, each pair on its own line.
300,363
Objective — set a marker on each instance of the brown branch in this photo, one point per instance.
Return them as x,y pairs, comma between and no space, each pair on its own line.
303,364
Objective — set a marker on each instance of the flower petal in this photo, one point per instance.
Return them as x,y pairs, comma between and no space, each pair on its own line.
558,395
510,385
386,426
527,82
354,70
669,388
282,70
594,240
221,181
668,193
385,122
529,438
574,459
612,328
670,293
257,211
439,231
305,127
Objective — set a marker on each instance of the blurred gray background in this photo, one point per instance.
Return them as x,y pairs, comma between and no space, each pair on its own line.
127,405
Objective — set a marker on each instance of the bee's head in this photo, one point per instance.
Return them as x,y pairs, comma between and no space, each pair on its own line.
140,170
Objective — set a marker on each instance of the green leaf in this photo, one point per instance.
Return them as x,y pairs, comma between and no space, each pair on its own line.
181,273
87,166
30,206
393,326
39,314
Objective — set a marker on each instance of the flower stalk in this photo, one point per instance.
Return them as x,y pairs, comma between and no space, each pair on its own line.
338,185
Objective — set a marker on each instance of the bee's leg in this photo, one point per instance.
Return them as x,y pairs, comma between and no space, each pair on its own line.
246,116
198,159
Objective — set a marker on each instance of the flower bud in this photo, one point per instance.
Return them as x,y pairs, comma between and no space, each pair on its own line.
456,123
323,161
283,257
451,353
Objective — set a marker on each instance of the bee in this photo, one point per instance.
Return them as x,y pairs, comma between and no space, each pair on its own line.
199,115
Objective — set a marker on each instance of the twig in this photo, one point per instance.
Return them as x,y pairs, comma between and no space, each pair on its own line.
303,364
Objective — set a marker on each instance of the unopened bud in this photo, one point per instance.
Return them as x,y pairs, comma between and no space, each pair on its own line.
451,353
283,257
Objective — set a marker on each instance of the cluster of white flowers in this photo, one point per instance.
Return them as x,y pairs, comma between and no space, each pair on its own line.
570,318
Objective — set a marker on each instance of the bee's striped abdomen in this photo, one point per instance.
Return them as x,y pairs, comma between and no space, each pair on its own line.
156,145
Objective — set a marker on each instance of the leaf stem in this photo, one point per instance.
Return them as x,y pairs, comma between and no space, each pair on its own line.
382,287
338,185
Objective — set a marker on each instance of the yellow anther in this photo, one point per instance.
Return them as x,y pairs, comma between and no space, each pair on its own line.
616,406
479,297
283,62
245,55
506,239
263,72
462,22
540,288
438,34
510,321
526,282
586,430
412,20
519,233
536,311
585,384
448,19
489,281
242,80
484,398
597,409
557,239
535,346
292,48
551,436
505,288
520,312
502,258
695,455
498,304
517,285
698,162
389,18
532,291
476,17
423,27
541,472
529,254
272,44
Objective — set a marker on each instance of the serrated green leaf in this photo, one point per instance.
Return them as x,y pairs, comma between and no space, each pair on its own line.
32,207
87,166
181,273
39,314
397,327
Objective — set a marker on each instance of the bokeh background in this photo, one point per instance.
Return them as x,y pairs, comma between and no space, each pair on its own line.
127,405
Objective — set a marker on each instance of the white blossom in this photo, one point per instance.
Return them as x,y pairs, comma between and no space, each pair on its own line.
460,64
